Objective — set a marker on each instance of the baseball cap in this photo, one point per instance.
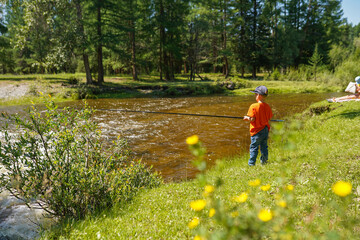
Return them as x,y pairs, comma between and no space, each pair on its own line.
262,90
357,79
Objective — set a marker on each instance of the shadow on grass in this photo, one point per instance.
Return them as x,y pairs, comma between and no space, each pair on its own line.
349,115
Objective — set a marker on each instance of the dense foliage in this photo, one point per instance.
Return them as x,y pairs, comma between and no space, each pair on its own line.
169,37
60,160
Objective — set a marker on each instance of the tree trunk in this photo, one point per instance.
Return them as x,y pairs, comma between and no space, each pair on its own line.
254,72
254,39
162,40
87,69
133,44
214,49
99,47
192,77
226,64
82,36
133,51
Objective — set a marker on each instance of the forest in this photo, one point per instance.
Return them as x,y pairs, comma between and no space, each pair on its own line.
109,37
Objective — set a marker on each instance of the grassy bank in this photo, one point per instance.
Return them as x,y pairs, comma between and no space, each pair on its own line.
311,152
67,87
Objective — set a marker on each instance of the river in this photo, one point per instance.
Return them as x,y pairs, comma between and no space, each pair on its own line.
159,139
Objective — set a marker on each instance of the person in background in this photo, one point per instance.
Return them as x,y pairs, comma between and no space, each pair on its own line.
353,88
259,115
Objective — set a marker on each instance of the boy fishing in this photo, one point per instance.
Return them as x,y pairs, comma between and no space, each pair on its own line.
259,115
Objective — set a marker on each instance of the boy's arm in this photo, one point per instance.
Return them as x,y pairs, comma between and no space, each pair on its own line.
250,119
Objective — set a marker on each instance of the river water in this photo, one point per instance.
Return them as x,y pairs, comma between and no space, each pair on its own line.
159,139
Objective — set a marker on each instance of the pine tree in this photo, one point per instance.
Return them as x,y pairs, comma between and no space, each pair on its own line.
315,60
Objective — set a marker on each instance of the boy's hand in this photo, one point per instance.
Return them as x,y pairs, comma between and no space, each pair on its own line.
247,118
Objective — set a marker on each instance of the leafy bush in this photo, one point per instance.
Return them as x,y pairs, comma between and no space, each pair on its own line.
58,159
73,80
303,73
83,91
275,75
347,71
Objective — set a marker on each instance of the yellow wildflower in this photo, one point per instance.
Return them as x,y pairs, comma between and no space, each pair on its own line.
265,215
282,203
209,188
235,214
197,237
212,212
198,205
290,187
342,188
194,223
241,198
254,183
192,140
265,187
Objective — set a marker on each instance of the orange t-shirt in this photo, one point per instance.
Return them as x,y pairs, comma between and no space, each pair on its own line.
262,114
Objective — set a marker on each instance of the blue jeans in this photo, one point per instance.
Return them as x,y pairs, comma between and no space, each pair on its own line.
259,140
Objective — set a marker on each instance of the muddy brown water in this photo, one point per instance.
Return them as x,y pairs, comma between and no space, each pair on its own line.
159,139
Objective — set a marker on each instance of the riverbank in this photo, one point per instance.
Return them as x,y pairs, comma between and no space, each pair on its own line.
311,152
22,89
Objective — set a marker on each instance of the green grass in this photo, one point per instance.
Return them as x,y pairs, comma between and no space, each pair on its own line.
312,151
149,86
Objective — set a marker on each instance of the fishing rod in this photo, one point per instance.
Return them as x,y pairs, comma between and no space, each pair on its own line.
172,113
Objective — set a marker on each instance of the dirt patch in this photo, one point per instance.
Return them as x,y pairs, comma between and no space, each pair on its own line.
10,91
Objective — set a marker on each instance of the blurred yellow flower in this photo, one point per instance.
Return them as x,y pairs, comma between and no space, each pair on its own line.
241,198
192,140
265,187
212,212
342,188
254,183
197,237
282,203
265,215
194,223
198,205
290,187
209,188
235,214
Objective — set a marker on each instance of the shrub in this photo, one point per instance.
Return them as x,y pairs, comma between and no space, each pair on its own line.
83,91
73,80
33,90
58,159
275,75
347,71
